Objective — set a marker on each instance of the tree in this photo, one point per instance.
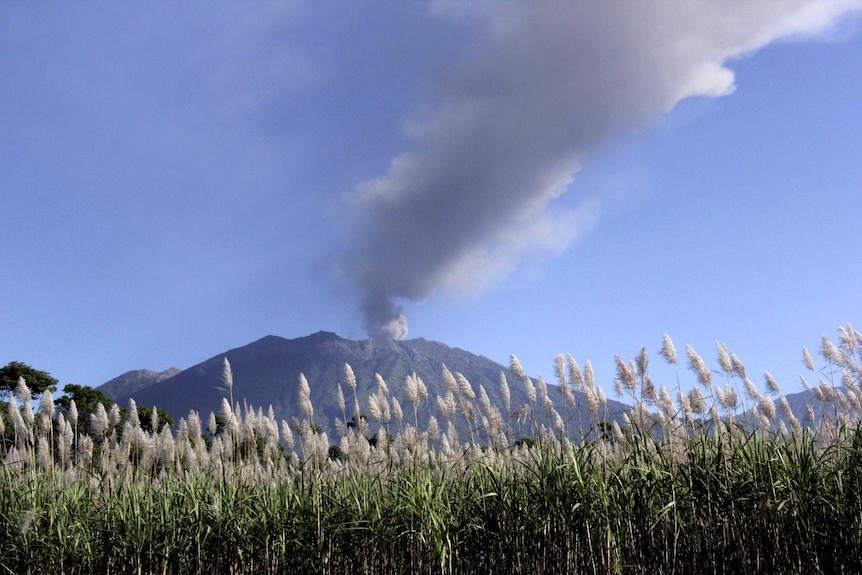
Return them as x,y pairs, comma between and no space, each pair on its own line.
145,418
38,381
86,399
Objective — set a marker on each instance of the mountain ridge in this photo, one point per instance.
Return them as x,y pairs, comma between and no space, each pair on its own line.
131,381
266,373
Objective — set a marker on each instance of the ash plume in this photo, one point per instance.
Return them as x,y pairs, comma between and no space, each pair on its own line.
544,85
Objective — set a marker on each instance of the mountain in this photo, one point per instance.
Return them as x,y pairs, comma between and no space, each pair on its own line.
266,373
821,410
133,381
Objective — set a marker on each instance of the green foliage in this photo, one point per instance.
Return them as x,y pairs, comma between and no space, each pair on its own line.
86,399
38,381
145,419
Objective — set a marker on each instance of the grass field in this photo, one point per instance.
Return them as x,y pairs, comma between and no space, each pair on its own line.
722,479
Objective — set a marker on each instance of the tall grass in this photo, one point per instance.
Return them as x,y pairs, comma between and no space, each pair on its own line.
716,480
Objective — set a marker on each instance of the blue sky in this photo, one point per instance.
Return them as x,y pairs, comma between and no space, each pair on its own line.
508,178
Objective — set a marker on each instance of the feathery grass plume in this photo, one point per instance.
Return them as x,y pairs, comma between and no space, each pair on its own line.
566,392
227,379
194,426
548,407
46,413
576,378
114,416
98,421
411,390
668,351
464,387
564,385
592,399
809,413
154,419
719,394
829,352
27,413
626,375
666,403
446,405
484,400
560,370
642,363
133,413
724,360
662,421
696,364
559,426
449,380
515,366
771,384
423,390
841,399
433,429
494,427
751,390
305,398
648,393
287,434
541,388
46,405
767,408
618,387
807,360
685,405
382,388
716,421
349,376
307,442
21,391
795,426
397,414
847,337
600,394
827,392
452,437
728,399
530,389
618,435
738,366
846,378
342,405
64,441
504,391
375,408
85,449
212,422
589,375
697,401
20,428
73,413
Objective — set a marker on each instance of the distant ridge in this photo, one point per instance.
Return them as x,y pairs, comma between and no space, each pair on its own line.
266,373
132,381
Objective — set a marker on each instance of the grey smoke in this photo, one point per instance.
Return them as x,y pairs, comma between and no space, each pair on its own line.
547,84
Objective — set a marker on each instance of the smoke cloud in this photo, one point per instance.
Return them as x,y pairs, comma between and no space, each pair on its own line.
545,84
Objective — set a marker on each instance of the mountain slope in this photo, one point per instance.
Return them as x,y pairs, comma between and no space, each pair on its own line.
130,382
266,372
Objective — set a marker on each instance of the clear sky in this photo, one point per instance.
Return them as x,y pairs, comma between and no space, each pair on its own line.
528,178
